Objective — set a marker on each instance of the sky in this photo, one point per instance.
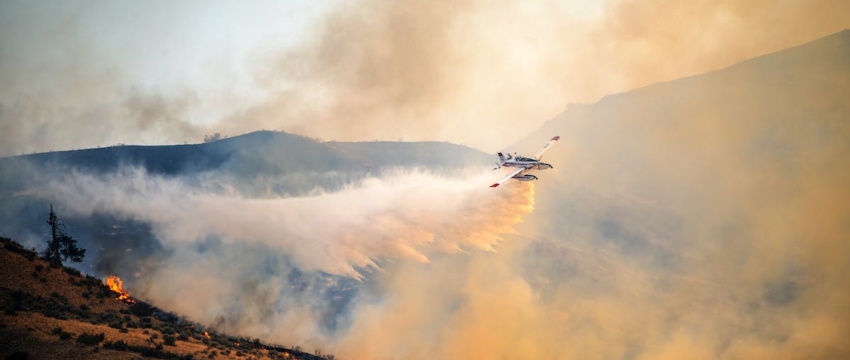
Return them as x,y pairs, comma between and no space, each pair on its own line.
480,73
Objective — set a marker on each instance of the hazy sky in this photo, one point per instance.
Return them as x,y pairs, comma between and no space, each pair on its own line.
482,73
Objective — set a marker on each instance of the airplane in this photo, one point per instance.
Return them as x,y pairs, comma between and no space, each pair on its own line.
524,164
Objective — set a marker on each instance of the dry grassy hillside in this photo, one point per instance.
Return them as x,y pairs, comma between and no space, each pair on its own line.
58,313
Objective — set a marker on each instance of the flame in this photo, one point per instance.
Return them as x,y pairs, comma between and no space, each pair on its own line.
115,284
207,335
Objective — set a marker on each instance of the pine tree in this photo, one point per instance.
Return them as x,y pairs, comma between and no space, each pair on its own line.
61,246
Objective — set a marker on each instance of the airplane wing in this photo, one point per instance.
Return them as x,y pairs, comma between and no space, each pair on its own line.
546,147
517,171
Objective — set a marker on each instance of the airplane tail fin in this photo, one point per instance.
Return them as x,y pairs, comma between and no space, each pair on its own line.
501,158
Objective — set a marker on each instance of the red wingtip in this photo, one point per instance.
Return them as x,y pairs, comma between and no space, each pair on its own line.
494,185
556,138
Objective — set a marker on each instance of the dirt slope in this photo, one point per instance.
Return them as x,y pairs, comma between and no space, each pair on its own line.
57,313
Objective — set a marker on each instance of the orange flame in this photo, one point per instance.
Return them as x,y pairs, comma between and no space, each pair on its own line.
116,285
207,335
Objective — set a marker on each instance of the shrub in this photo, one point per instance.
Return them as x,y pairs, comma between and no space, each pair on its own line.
119,345
90,339
72,271
141,310
168,340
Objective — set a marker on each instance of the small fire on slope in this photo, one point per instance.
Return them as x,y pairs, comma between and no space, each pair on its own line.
116,285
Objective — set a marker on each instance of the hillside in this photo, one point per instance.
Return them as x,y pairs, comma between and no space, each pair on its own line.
57,313
735,180
767,108
762,119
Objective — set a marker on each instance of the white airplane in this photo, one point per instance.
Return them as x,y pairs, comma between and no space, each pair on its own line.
524,164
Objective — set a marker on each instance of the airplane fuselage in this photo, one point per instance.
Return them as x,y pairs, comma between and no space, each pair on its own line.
528,165
523,165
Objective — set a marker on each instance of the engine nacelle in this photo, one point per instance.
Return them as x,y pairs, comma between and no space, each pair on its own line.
543,166
527,177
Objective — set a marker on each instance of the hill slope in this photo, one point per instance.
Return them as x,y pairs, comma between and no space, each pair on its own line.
56,313
261,153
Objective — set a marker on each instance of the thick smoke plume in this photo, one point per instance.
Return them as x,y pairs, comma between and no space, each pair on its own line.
424,69
371,69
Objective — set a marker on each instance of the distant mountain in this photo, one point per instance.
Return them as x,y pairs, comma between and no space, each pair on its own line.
762,103
261,153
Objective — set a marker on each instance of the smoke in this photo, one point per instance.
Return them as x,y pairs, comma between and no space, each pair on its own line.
374,69
424,70
651,238
292,270
715,218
